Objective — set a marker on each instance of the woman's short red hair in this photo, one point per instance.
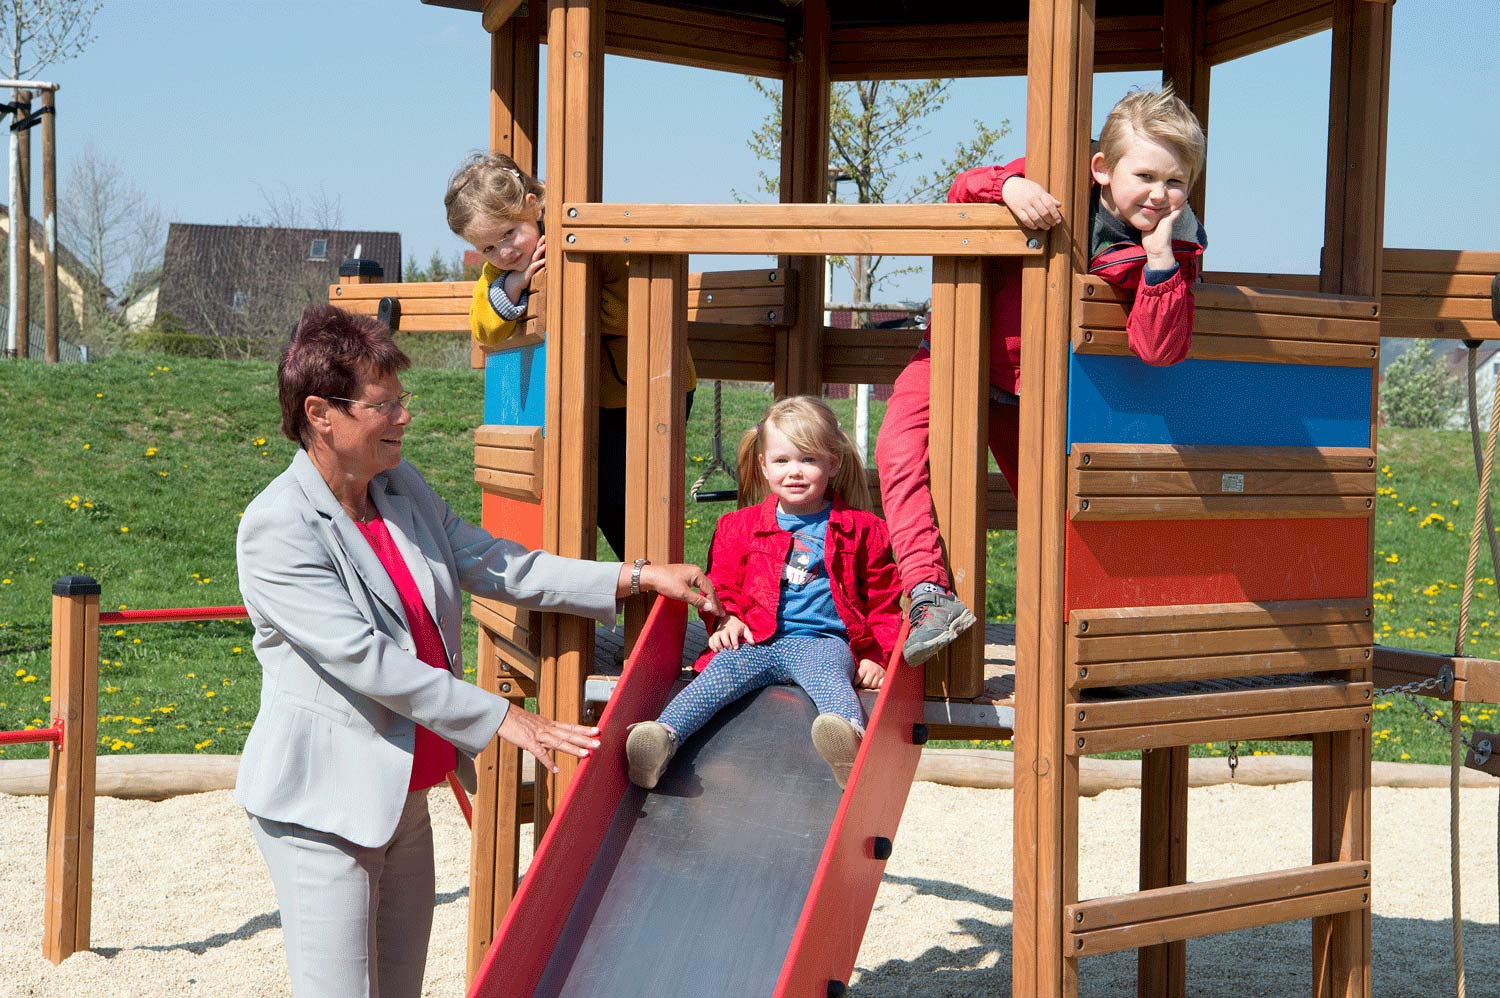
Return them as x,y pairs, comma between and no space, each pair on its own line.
331,353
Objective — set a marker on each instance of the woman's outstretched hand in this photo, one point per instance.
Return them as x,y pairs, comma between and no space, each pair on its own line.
541,736
688,583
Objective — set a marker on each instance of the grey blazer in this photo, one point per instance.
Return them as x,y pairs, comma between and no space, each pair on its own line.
342,691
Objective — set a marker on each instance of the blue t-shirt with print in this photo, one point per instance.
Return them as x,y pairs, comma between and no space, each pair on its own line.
807,607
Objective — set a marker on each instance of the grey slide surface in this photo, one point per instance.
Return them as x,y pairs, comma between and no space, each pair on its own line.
698,885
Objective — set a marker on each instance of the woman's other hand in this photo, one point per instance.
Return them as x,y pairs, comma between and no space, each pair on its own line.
541,736
688,583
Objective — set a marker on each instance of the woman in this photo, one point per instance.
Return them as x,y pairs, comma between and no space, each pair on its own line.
351,566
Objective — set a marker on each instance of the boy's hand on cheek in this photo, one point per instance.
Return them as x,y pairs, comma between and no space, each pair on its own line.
1158,242
1031,204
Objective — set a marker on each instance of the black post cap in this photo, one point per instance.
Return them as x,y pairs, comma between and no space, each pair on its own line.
919,734
76,585
880,846
837,989
361,267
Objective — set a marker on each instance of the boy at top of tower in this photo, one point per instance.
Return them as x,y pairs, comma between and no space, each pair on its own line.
1143,237
497,208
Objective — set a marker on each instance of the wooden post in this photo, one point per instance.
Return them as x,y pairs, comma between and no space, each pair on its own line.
958,456
1184,30
361,271
495,848
49,222
804,180
515,58
1059,96
20,217
70,814
1162,970
1353,236
575,116
656,425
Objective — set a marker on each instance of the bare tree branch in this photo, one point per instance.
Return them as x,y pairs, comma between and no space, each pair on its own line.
34,34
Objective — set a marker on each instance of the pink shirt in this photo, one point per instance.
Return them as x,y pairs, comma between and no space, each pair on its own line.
433,757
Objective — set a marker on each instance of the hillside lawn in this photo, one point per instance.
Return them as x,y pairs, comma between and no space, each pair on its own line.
134,470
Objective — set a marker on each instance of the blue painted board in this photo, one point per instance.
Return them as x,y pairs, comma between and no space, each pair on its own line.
1123,400
515,387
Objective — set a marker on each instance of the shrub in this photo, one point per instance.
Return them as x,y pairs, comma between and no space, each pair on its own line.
1418,391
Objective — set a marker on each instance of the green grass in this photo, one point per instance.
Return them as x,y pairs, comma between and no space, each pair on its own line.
163,453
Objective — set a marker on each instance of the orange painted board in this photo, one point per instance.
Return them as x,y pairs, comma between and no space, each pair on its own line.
514,519
1125,563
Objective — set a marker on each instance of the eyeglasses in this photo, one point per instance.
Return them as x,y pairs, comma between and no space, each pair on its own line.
399,403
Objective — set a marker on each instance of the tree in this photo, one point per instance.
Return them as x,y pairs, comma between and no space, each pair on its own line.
876,128
1418,392
35,34
109,223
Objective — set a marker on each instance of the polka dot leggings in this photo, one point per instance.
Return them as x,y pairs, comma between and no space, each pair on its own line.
822,666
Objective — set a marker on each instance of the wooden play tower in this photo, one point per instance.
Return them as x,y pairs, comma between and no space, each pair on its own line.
1194,543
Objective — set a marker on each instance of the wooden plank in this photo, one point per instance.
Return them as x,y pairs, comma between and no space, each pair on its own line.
1217,507
1230,322
963,219
1452,329
802,240
1485,262
1263,281
68,885
514,89
1259,727
339,294
1101,484
1222,666
1215,895
1092,650
1231,297
699,38
1474,680
1438,308
1099,715
1435,285
1237,348
1243,30
1216,616
1180,457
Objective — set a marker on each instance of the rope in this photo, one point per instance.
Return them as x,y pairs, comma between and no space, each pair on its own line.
718,463
1455,739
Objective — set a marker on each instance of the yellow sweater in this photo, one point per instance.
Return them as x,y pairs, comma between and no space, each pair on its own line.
490,330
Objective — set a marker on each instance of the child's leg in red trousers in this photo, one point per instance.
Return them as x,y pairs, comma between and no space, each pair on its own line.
905,485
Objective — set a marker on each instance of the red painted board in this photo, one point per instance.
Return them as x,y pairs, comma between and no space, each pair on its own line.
826,939
518,956
1119,563
511,518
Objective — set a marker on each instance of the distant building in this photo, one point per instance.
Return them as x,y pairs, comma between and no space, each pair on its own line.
237,280
74,282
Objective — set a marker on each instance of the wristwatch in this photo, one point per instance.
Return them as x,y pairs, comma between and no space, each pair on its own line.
635,575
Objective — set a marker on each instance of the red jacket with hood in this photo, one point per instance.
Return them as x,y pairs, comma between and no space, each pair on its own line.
1160,327
748,555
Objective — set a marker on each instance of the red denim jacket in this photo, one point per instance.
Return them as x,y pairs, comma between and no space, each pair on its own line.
748,555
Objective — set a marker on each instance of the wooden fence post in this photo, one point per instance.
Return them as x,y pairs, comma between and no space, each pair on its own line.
70,813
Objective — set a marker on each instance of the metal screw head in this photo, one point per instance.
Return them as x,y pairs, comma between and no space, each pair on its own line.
1084,504
709,298
1080,743
963,214
963,242
1080,715
572,212
771,316
1087,458
505,687
1088,337
627,239
1083,625
1078,916
1083,673
772,277
572,238
1033,244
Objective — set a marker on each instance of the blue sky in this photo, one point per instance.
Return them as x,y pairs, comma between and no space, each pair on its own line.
207,105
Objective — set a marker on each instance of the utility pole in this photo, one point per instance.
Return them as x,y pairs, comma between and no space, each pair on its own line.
22,121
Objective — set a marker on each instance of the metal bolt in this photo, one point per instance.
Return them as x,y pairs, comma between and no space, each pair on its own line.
771,277
1367,718
572,212
1078,944
963,214
627,239
627,214
572,238
1088,337
1033,244
1367,653
771,315
1374,309
1080,715
1084,504
1078,916
1369,462
1368,502
1367,611
1368,694
1372,351
1365,874
964,242
1080,743
1083,625
709,298
1083,673
1087,458
338,292
505,687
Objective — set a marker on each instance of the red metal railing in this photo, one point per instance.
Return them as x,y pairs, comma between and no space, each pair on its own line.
51,734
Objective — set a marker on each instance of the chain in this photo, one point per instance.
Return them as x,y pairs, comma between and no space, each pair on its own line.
1442,681
1234,758
1437,719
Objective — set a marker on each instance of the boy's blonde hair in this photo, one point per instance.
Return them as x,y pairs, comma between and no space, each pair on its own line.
489,185
1162,117
809,424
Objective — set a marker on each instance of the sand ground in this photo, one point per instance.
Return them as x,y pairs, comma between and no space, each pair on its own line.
183,904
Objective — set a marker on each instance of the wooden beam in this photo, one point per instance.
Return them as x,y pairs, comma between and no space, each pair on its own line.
958,457
1060,67
1237,28
1185,66
804,181
575,77
495,13
656,423
1161,970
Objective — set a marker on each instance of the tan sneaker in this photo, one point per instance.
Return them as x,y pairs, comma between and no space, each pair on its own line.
837,741
649,748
